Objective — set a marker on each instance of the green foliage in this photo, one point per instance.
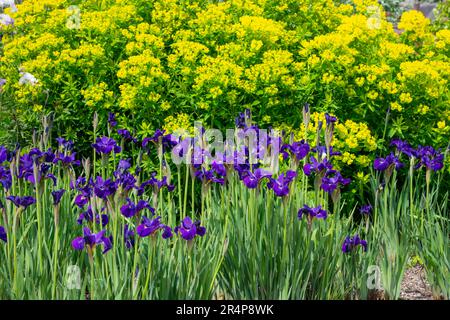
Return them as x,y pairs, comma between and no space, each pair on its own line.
208,60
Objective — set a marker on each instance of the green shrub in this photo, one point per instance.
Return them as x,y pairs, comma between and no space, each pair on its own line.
202,60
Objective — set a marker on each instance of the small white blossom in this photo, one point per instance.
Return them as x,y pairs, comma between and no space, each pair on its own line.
27,78
5,19
8,3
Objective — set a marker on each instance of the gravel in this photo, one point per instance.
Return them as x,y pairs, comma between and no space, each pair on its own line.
415,285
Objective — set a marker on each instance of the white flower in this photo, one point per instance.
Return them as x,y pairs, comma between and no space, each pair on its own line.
5,19
27,78
8,3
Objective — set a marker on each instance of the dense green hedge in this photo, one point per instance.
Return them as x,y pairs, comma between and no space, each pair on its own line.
168,63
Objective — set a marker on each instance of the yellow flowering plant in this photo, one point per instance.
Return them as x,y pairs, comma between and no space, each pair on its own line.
353,140
210,60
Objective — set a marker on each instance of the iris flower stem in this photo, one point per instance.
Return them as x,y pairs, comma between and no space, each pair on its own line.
55,262
185,192
160,157
375,213
133,272
193,197
385,205
91,293
427,200
105,161
115,238
202,214
170,209
180,204
14,235
39,227
94,156
284,208
253,211
367,223
44,206
411,198
219,263
149,266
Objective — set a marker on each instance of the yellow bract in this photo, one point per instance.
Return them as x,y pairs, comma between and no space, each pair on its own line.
208,58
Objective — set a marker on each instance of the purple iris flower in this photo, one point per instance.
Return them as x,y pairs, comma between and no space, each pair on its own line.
49,156
28,174
106,145
332,180
242,119
182,148
169,141
318,167
149,227
5,178
127,181
124,179
200,155
65,144
123,167
317,213
430,158
280,186
104,188
91,240
154,138
25,166
2,83
128,236
366,209
112,119
35,153
61,141
252,180
78,184
107,244
395,161
88,216
124,133
189,229
3,235
81,200
299,149
381,164
403,147
207,176
351,243
329,119
3,154
57,195
156,184
66,159
322,151
219,168
130,209
23,202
